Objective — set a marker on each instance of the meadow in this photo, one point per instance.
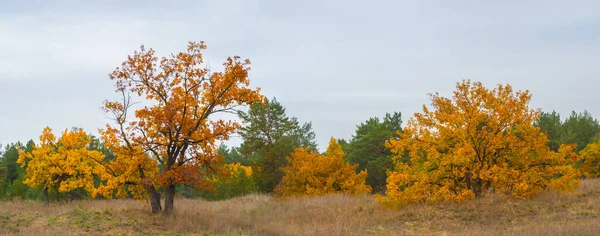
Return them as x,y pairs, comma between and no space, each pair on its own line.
549,213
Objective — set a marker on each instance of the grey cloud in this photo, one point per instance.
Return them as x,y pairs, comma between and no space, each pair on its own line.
335,63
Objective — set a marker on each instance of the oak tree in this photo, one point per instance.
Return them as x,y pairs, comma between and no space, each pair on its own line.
169,138
478,140
62,164
590,164
312,174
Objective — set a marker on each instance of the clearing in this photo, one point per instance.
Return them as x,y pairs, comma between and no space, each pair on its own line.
547,214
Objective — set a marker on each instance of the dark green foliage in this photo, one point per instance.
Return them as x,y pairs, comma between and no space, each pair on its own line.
269,137
10,157
376,176
367,148
3,172
19,190
233,155
551,124
579,128
13,177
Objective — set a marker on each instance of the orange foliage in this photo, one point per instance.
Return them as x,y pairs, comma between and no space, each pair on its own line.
173,130
312,174
62,164
479,140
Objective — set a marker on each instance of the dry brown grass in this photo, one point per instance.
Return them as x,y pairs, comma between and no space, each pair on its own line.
547,214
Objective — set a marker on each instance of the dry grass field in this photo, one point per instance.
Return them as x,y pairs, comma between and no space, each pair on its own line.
547,214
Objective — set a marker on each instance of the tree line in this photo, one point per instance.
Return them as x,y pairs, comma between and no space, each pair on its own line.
461,147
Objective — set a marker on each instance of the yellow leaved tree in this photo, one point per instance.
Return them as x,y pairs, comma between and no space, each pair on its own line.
236,181
62,164
477,141
171,139
590,166
312,174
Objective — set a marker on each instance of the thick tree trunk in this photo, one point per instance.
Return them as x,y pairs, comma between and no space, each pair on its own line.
169,199
46,196
154,200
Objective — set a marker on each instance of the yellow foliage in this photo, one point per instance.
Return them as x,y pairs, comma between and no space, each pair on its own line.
232,169
479,140
235,168
132,168
62,164
591,160
312,174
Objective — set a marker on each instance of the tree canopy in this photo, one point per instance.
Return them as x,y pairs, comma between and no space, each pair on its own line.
170,140
62,164
476,141
310,173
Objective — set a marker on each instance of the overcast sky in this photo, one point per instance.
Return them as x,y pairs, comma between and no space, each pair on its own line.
333,63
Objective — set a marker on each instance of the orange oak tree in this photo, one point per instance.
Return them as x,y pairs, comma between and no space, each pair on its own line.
62,164
171,139
479,140
311,174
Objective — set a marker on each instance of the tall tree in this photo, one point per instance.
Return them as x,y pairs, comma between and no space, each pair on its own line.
478,140
269,137
172,139
367,148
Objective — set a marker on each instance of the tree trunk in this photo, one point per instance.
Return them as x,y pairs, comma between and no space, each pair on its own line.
46,196
169,199
478,187
154,200
468,180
